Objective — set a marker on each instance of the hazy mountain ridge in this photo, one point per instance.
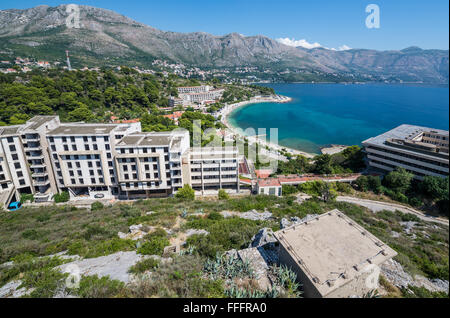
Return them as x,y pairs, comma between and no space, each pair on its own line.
107,36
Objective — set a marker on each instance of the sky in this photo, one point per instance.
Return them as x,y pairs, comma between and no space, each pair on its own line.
334,24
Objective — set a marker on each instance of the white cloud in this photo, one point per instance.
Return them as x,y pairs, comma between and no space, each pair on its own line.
305,44
297,43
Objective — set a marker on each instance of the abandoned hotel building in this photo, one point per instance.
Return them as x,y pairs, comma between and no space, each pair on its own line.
44,157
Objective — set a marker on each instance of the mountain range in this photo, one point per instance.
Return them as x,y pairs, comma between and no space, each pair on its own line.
108,38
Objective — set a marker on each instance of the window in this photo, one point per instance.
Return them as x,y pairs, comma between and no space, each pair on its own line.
79,173
15,157
22,182
53,148
93,180
107,147
17,165
126,176
66,148
64,139
12,148
91,172
19,174
90,164
69,165
95,147
135,176
85,139
100,172
51,139
106,138
94,138
101,180
72,139
78,165
86,147
81,181
99,164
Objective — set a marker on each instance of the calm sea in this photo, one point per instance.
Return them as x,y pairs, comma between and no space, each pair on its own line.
325,114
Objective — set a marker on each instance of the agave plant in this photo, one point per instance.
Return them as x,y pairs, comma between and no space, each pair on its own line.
228,268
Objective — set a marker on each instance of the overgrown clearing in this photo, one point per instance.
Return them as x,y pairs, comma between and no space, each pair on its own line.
35,232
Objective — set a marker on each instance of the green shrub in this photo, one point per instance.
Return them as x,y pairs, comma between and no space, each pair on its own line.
26,197
223,195
215,216
61,197
289,189
95,287
343,187
144,265
97,206
92,249
186,193
155,246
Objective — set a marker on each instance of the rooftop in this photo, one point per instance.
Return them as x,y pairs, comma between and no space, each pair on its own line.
332,249
269,183
37,121
146,139
405,133
83,129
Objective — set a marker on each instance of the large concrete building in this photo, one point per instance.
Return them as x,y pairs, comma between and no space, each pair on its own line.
420,150
197,94
105,161
333,256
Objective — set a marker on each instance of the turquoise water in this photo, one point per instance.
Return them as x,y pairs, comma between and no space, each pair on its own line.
325,114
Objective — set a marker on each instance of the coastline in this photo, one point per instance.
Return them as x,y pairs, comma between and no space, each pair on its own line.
227,110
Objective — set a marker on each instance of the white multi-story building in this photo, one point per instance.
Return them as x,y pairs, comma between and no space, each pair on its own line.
213,168
106,161
194,89
198,94
420,150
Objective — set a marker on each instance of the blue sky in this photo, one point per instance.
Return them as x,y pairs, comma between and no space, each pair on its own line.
332,23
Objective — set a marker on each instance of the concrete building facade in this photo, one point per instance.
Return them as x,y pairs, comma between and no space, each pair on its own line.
105,161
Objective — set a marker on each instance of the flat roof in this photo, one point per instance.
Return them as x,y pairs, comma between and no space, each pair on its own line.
9,130
403,132
83,129
37,121
146,139
332,249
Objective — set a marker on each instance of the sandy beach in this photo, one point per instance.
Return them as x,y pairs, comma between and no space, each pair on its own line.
227,110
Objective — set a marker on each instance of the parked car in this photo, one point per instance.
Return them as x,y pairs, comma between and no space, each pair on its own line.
15,206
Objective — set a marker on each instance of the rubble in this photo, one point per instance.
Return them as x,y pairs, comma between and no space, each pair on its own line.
12,290
263,237
408,226
250,215
285,223
258,264
396,275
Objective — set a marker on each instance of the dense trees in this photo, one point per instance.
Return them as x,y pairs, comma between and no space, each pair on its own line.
349,161
399,185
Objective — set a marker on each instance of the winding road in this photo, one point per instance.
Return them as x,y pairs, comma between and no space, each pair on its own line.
377,206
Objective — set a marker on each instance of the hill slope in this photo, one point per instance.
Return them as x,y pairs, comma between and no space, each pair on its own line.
106,37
